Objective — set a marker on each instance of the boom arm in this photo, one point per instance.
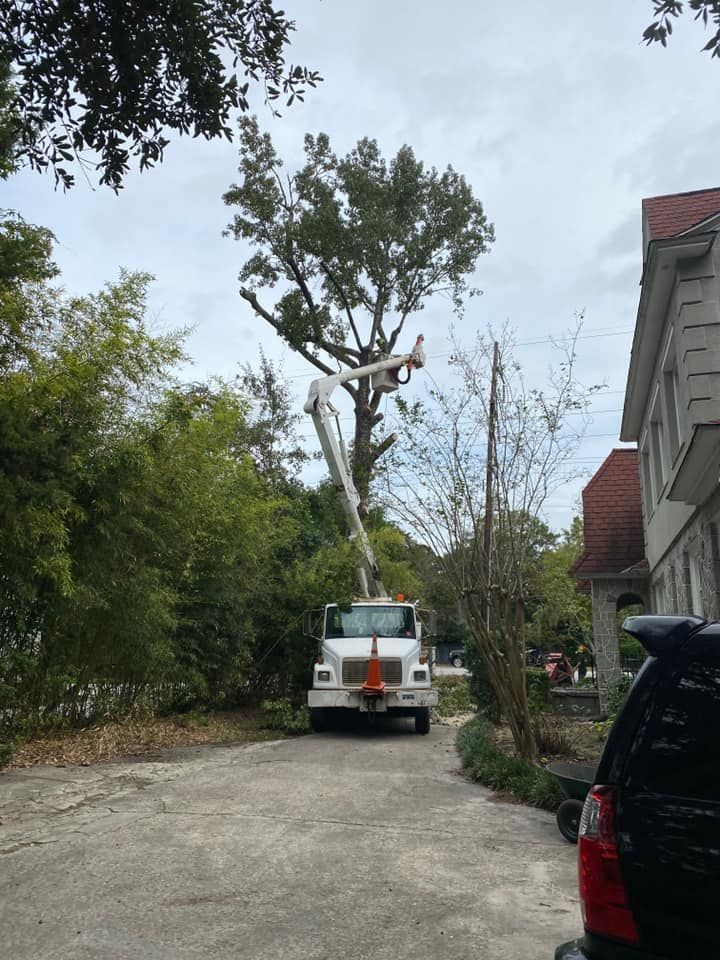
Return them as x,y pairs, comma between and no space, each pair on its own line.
318,405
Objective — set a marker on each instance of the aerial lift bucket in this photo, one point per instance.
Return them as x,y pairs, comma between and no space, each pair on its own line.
374,685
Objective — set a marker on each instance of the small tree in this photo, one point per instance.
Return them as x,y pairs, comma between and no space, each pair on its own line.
437,485
358,245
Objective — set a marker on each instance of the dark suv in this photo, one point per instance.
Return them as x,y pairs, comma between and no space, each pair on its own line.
649,847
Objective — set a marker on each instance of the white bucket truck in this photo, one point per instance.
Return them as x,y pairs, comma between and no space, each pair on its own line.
370,656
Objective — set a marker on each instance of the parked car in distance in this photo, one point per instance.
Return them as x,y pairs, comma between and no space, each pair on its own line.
457,658
649,844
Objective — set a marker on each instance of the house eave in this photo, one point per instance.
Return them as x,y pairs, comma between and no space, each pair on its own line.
657,281
699,471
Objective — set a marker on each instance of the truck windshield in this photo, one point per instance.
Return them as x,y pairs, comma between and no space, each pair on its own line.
360,621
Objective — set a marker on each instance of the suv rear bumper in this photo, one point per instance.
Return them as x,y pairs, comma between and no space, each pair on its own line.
354,700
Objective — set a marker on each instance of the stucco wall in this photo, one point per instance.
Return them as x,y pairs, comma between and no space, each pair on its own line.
693,316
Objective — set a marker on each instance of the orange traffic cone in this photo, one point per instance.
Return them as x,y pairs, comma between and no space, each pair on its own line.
374,685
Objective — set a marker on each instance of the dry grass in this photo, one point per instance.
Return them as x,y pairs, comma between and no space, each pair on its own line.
570,738
137,736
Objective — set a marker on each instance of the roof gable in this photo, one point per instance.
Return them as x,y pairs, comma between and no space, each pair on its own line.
612,517
676,213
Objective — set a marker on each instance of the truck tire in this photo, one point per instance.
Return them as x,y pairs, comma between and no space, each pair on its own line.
457,662
318,719
422,720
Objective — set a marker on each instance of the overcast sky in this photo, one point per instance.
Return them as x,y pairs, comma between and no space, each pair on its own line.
557,114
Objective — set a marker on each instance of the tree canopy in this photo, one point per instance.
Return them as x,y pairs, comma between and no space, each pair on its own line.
356,244
115,77
154,543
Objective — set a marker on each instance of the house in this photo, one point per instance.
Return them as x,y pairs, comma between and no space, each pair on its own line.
612,566
672,401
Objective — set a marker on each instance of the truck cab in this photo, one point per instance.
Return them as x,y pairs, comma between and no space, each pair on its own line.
378,639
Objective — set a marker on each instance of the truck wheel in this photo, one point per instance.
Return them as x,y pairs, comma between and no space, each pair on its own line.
422,720
457,662
318,719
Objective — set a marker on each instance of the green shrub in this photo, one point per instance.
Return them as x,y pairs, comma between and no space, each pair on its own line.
537,684
487,764
7,751
481,691
282,715
617,695
453,696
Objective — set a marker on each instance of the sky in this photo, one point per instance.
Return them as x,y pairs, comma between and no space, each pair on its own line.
558,115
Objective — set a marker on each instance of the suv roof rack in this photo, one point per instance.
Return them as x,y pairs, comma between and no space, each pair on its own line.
660,634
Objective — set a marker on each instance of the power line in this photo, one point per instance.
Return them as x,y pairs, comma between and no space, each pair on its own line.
545,338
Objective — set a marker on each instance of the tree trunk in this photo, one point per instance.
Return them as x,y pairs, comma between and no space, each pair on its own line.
502,654
362,460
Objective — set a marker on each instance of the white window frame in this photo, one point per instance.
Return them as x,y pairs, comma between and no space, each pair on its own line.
658,444
696,596
648,487
671,396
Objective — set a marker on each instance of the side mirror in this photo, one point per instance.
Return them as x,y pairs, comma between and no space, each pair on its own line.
426,623
312,624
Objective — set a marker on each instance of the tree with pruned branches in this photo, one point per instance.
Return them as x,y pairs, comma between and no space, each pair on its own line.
436,485
357,245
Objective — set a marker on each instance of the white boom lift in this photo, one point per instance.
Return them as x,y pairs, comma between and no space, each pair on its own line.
370,656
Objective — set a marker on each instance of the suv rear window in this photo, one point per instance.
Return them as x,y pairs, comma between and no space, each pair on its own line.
682,755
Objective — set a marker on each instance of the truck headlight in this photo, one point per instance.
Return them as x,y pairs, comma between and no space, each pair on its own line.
419,676
323,676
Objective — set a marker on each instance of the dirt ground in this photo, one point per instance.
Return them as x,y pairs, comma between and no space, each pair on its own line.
139,736
569,738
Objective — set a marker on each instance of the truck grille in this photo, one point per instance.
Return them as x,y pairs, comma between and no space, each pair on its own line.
354,672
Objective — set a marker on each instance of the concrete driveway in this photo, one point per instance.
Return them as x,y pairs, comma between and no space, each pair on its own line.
364,844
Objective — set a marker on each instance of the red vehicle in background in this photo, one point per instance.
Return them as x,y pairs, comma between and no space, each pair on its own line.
558,668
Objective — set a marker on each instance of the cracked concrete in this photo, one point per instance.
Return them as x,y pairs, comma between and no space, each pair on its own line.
346,845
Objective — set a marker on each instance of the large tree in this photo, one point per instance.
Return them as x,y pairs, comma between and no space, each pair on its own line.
357,244
114,77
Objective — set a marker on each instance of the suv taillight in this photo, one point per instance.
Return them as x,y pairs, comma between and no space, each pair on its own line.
605,907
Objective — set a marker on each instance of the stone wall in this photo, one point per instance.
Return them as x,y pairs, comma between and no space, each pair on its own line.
698,548
605,596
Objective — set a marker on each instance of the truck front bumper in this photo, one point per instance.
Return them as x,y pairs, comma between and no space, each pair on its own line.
355,700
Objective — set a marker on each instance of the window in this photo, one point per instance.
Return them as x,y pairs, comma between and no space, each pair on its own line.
695,581
364,621
648,490
682,755
658,451
659,596
671,390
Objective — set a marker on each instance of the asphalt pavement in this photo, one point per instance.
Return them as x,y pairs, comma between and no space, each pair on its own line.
356,844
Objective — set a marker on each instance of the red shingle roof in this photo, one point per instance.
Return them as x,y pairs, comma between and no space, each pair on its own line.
677,212
612,517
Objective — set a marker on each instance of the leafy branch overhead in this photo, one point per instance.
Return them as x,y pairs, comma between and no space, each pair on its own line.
116,77
666,11
356,245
